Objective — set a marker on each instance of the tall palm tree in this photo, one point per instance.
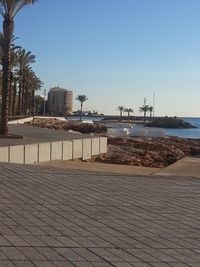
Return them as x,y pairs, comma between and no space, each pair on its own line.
11,96
13,57
23,68
81,99
121,109
34,84
150,111
8,10
128,110
144,109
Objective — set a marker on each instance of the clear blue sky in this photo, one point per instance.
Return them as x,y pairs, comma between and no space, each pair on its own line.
118,51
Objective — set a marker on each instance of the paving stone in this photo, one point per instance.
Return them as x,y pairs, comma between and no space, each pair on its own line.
16,240
69,254
13,253
23,264
4,242
65,263
44,264
50,254
55,217
83,264
7,264
31,253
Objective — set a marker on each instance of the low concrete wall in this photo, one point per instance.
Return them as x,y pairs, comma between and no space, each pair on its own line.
4,154
16,154
31,153
95,146
44,152
103,145
60,150
87,149
77,149
56,150
67,150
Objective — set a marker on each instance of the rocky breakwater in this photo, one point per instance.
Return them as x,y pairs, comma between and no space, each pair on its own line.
170,122
76,126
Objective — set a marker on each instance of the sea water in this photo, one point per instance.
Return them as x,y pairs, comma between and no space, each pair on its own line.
193,133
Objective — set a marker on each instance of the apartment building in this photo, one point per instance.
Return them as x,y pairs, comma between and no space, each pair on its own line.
60,101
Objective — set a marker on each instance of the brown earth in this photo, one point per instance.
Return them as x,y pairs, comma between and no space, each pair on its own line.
157,152
77,126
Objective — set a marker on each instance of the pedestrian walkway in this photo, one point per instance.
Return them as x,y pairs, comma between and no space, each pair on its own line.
58,217
101,167
32,135
187,166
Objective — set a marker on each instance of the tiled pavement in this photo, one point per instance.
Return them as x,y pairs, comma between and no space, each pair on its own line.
56,217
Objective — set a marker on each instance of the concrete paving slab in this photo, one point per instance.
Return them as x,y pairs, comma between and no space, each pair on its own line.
58,217
101,167
187,166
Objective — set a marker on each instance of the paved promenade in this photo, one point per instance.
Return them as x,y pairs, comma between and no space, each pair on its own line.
188,166
58,217
38,135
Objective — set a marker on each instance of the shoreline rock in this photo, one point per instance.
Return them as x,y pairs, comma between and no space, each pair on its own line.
156,152
170,122
76,126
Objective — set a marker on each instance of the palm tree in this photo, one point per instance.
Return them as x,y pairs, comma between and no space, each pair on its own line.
34,84
144,109
13,58
150,110
8,10
81,99
128,110
12,86
23,68
121,109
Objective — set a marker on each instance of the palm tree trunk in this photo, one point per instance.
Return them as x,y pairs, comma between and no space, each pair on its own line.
81,111
8,26
22,101
120,114
144,116
10,94
14,99
19,99
32,101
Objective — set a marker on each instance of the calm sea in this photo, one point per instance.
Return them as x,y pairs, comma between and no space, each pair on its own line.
186,133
